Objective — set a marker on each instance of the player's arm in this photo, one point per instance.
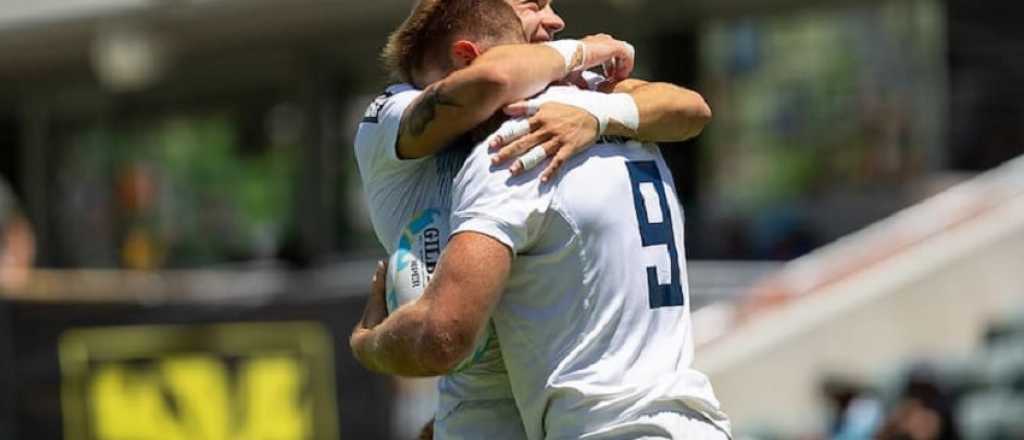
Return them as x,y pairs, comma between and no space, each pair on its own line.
493,215
431,335
650,112
667,112
454,105
467,97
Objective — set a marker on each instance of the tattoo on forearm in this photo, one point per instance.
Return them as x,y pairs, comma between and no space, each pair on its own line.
426,110
578,58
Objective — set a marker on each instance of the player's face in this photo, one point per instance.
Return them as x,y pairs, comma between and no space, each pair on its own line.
540,22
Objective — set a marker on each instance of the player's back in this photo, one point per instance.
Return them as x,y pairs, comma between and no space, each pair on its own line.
594,321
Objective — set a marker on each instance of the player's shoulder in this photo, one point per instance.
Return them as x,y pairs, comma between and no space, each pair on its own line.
396,93
378,130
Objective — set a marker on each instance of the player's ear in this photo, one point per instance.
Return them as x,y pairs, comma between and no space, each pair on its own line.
464,52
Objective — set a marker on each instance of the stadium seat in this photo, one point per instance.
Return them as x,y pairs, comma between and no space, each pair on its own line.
993,415
1010,327
1004,364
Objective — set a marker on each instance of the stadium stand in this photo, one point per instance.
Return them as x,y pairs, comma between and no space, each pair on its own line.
923,284
978,396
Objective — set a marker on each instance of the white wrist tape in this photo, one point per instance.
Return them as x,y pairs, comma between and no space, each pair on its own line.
532,158
619,107
574,52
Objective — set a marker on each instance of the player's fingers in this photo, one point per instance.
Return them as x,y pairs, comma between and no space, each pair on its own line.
608,69
520,146
553,146
630,50
623,69
509,131
625,62
535,123
379,278
556,164
376,306
523,108
517,109
534,157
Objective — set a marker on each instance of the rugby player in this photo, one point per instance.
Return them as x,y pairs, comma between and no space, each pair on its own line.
478,396
405,179
441,325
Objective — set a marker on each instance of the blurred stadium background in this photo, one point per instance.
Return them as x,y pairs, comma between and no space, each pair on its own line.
184,245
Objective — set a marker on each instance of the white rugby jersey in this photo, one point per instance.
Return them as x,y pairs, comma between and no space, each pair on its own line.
594,321
399,191
396,190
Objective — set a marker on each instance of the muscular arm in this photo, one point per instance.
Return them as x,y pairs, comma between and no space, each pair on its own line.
432,335
668,113
567,124
454,105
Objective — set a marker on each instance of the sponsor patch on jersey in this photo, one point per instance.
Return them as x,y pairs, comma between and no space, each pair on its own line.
372,114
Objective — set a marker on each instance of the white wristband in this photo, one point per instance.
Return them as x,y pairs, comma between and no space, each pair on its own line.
618,107
574,52
621,108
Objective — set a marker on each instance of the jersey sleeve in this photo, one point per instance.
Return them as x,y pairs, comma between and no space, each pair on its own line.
486,199
377,136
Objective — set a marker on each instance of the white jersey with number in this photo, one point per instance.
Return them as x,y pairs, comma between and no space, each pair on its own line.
594,321
399,192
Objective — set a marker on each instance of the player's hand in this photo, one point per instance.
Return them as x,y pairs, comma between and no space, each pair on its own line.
376,305
618,57
375,312
559,130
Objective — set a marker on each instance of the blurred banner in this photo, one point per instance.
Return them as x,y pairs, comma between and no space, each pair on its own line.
259,380
186,371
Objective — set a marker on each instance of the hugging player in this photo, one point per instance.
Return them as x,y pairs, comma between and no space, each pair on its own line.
468,55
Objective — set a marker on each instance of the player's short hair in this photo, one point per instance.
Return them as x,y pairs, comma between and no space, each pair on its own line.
433,25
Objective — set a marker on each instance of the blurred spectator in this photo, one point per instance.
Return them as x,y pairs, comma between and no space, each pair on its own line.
924,410
17,242
857,412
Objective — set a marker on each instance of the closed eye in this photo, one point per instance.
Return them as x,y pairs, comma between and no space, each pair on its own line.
534,4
